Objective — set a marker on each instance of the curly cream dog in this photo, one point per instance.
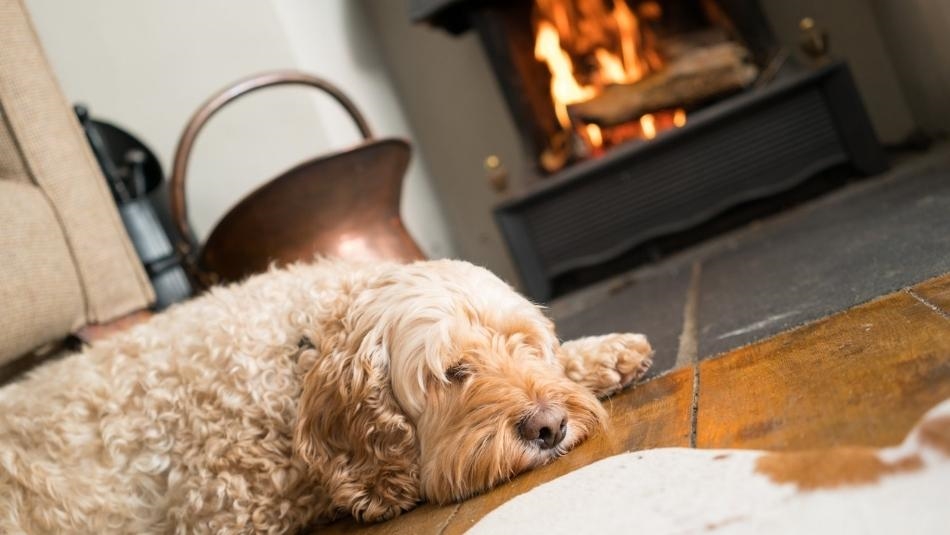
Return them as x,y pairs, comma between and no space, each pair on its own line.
299,396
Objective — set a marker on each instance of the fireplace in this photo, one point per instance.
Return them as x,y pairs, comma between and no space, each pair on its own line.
648,118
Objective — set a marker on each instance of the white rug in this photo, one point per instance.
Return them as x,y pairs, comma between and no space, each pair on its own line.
905,489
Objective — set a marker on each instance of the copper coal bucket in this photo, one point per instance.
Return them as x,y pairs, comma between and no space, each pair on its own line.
343,204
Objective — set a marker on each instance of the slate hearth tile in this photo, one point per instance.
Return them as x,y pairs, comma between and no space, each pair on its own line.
868,240
861,377
649,303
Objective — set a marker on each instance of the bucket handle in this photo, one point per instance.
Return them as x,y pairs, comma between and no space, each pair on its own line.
217,101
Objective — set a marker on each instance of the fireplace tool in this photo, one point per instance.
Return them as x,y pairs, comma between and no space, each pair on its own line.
343,204
140,191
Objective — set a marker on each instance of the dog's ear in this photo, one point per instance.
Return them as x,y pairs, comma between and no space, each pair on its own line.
350,431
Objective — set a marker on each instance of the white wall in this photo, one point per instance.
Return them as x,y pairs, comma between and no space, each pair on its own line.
917,33
457,109
148,64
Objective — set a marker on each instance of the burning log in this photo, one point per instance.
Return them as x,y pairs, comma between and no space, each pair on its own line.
696,76
674,47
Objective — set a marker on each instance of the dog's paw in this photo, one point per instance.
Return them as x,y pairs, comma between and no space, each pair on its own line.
634,357
624,358
606,364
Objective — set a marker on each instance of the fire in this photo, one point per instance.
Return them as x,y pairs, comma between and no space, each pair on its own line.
611,67
679,118
648,125
629,29
595,136
588,45
564,88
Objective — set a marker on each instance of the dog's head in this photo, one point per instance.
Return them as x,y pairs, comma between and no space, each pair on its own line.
480,379
455,375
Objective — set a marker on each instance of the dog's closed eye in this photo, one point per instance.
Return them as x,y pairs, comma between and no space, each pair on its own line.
458,373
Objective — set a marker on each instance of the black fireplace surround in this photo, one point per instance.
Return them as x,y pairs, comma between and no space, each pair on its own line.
753,145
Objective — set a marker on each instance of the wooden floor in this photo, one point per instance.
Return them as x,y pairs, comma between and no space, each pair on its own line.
860,377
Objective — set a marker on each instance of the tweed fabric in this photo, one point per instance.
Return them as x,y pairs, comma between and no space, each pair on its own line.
11,165
41,143
40,294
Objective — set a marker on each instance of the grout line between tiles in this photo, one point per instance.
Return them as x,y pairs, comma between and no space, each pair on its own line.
928,304
686,354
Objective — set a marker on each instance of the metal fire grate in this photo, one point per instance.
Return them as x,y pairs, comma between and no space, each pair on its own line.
748,147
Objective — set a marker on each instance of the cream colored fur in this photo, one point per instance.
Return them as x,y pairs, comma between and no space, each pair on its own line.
296,397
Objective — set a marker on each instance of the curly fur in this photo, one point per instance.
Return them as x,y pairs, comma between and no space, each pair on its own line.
296,397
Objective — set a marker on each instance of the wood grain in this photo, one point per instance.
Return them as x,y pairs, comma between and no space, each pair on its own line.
862,377
935,292
423,519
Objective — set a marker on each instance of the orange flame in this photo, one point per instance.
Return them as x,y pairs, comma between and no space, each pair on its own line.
679,118
564,87
648,124
607,42
629,29
595,136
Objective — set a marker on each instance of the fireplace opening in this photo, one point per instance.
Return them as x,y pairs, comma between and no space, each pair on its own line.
628,71
651,119
584,76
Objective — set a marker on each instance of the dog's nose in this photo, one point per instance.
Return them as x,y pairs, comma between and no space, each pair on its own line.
545,427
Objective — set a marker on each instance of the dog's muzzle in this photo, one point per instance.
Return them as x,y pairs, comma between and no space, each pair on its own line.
545,428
